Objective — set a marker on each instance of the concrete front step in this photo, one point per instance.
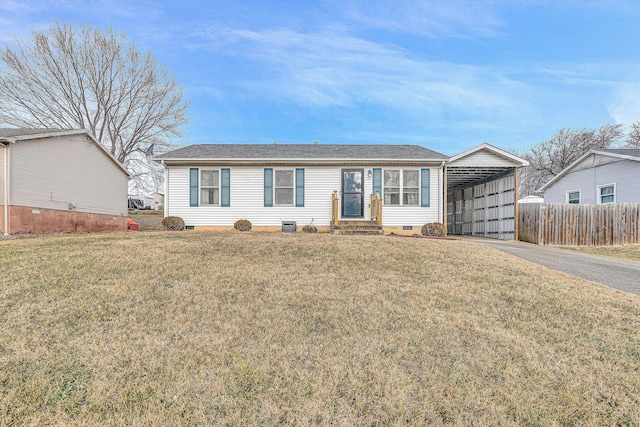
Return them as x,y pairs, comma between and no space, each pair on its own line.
352,232
361,227
349,222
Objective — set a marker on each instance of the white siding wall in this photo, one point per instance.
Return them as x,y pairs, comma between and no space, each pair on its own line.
53,172
414,216
624,173
482,158
247,199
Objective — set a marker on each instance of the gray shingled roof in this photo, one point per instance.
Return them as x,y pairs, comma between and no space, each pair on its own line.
12,133
623,151
302,151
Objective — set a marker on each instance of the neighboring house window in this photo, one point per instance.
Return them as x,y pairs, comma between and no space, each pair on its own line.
402,187
573,197
209,187
607,193
284,187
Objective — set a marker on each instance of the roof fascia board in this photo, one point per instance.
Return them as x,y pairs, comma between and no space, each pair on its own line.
111,156
253,162
48,134
565,170
495,150
616,155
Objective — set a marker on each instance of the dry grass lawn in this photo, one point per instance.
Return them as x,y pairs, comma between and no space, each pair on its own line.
148,220
627,252
194,328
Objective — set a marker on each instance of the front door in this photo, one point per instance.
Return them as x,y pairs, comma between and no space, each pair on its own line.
352,187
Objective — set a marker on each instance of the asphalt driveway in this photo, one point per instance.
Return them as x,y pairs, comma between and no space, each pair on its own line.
615,273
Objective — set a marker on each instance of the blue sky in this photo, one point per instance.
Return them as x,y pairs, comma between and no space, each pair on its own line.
447,75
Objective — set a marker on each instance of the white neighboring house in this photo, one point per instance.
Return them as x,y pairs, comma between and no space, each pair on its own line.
599,176
210,186
56,180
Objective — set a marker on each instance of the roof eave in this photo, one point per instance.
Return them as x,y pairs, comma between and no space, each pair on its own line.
248,161
564,171
48,134
616,155
499,152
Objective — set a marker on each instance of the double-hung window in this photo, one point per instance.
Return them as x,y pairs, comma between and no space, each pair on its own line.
401,187
209,187
607,193
410,187
284,186
573,197
391,187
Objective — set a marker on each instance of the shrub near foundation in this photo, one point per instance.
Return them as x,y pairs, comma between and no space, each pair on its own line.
434,229
242,225
173,223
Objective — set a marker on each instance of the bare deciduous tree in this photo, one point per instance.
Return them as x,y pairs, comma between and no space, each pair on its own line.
633,137
548,158
88,78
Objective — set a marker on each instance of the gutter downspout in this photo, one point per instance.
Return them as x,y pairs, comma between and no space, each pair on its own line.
166,189
6,189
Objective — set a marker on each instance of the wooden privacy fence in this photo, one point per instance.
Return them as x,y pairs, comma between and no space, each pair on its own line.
612,224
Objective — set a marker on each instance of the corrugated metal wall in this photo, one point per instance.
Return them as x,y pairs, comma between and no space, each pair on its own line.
485,209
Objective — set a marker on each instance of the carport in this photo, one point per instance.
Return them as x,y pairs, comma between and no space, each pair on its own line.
481,186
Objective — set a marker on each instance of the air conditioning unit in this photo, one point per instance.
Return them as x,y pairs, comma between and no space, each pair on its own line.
289,226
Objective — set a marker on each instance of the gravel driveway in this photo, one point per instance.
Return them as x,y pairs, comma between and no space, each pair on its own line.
619,274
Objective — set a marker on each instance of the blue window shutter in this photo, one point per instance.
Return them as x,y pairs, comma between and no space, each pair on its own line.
193,186
225,192
377,181
268,187
425,188
300,187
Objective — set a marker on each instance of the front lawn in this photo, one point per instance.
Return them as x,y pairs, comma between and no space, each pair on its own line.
627,252
195,328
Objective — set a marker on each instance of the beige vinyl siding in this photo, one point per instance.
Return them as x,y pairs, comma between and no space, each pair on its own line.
247,199
482,158
54,172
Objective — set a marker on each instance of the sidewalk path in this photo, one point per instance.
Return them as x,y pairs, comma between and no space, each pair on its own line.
612,272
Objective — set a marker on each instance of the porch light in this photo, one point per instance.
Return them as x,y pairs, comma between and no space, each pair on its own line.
369,173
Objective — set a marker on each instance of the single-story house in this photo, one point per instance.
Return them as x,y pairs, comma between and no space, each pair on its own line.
598,176
57,180
397,187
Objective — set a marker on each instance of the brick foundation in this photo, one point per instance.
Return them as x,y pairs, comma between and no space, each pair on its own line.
38,220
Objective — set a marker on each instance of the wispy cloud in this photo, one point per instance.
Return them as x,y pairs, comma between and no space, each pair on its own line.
337,69
425,18
624,104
